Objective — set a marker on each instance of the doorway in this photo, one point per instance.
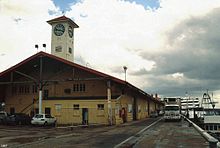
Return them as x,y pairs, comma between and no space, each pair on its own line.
134,109
47,110
85,116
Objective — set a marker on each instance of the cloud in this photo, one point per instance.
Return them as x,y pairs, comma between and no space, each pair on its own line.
194,52
177,39
168,50
23,25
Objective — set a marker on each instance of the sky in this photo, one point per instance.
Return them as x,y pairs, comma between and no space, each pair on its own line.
170,47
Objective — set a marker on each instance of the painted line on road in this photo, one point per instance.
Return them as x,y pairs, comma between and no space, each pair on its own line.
152,124
134,137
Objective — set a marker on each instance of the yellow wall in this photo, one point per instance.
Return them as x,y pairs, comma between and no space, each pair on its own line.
67,115
142,108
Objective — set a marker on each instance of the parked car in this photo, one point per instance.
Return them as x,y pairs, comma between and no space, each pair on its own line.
3,117
153,114
19,119
43,119
161,113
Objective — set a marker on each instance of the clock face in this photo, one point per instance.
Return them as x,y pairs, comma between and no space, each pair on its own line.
59,29
70,31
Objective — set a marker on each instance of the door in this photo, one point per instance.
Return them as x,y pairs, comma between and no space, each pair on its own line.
47,110
134,109
124,115
12,110
85,116
148,107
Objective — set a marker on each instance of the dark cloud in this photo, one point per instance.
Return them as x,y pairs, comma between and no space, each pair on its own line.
194,51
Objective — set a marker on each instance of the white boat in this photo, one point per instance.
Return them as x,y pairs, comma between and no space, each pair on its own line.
211,118
212,123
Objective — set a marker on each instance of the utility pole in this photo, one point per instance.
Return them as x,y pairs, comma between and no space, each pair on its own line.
109,102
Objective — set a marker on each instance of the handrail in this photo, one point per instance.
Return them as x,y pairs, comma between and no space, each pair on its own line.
212,141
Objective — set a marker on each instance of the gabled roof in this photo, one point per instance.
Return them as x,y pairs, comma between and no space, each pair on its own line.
95,72
63,19
44,54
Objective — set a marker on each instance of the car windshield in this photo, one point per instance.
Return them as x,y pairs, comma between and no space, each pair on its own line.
38,116
171,108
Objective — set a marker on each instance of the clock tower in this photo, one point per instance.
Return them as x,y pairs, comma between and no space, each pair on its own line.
62,38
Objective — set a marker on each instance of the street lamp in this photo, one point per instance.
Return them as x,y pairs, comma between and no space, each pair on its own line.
44,45
125,69
36,46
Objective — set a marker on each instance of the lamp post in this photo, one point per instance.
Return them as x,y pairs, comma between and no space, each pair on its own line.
36,46
125,69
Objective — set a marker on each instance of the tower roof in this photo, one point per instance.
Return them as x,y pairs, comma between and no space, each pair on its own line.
63,19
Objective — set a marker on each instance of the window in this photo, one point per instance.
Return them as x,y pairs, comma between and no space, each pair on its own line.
139,108
100,106
76,106
48,116
26,89
38,116
70,50
21,89
76,87
34,89
58,49
79,87
58,108
82,87
46,93
67,91
130,108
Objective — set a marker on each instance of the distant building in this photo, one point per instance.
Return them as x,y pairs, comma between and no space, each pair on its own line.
189,102
74,94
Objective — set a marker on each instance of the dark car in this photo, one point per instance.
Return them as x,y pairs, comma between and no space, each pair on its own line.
3,117
19,119
153,114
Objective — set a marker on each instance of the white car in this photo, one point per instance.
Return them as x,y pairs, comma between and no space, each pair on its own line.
43,119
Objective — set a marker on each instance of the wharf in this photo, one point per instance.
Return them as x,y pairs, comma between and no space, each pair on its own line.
172,135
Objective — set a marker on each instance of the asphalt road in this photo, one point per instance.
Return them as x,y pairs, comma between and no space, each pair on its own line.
93,136
160,135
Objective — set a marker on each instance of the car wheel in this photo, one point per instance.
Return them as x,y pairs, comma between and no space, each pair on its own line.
54,124
45,123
